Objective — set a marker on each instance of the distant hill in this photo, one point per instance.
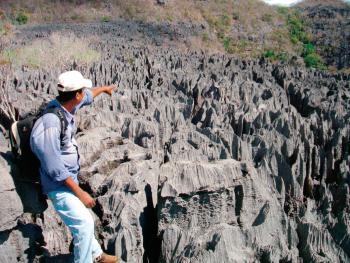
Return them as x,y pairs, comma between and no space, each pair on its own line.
329,24
317,31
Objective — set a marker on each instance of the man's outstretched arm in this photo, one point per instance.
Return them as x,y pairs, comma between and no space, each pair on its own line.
90,94
103,89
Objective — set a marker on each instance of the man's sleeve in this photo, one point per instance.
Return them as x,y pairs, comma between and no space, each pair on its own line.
47,148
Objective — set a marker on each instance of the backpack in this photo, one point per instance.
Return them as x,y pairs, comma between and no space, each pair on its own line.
19,135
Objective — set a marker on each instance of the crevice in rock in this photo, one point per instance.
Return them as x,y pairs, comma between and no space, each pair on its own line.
260,219
239,195
314,174
197,116
333,176
211,245
149,224
300,101
35,235
308,187
98,210
139,139
293,158
167,152
302,245
4,235
280,75
291,204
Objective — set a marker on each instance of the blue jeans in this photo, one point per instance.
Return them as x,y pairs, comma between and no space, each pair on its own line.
81,224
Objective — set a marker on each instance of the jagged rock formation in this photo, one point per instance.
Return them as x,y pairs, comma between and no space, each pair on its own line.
329,25
197,158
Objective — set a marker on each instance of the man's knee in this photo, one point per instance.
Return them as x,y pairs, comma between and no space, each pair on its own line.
86,226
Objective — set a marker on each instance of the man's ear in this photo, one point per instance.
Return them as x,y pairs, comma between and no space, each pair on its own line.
78,95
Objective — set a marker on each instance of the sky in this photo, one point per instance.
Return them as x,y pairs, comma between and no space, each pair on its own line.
286,2
281,2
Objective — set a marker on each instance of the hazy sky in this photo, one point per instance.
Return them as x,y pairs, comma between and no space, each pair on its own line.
286,2
281,2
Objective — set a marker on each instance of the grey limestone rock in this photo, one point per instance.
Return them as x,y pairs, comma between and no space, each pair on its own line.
200,158
12,207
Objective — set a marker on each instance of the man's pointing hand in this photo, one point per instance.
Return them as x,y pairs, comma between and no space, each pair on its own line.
104,89
110,89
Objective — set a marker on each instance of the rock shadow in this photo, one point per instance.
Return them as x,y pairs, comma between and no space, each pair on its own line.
36,240
66,258
30,193
149,224
33,202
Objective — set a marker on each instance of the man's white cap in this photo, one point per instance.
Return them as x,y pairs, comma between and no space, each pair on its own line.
72,80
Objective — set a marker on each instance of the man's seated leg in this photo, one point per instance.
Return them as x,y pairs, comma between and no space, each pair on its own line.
81,224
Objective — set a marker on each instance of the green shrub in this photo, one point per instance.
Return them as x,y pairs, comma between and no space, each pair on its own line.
106,19
2,29
267,18
313,60
234,46
283,10
283,56
294,39
169,18
21,18
297,29
308,49
270,54
221,24
227,43
78,17
299,35
225,21
7,56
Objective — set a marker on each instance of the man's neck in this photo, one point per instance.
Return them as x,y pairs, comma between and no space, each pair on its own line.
69,106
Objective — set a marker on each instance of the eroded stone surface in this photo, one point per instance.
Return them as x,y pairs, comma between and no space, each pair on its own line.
205,158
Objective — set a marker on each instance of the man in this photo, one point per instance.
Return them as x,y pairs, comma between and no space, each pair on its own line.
59,164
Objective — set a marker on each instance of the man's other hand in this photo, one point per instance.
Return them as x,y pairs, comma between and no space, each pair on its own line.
83,196
87,200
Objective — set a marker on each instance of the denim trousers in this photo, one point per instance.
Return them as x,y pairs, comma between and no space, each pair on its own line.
81,224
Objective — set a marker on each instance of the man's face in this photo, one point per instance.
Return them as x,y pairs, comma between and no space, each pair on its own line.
79,96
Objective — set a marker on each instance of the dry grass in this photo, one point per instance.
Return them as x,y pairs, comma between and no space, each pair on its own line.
229,23
40,11
58,51
345,70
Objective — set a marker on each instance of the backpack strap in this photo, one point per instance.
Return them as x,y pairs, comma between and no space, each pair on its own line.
60,114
